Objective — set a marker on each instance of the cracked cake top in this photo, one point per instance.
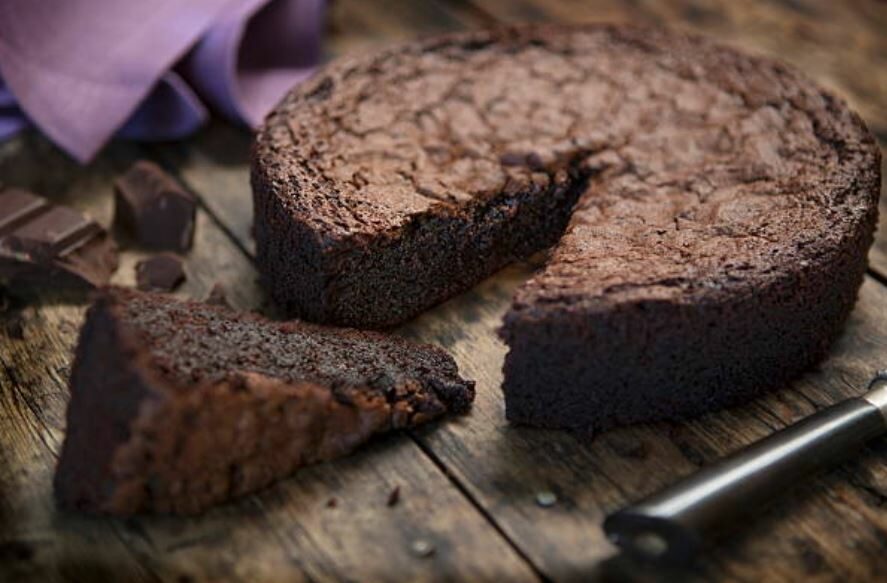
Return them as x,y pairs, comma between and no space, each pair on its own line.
705,168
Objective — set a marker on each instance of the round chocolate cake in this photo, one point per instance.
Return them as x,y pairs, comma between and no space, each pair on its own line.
709,212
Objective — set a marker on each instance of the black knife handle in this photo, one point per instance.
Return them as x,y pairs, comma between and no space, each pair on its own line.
673,524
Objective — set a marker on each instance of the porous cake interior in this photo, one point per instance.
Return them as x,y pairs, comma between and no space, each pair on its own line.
177,406
190,343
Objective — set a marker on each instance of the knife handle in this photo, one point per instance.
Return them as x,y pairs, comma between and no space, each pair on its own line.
674,524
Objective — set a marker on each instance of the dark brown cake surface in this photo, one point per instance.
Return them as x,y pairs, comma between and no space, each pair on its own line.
710,211
179,405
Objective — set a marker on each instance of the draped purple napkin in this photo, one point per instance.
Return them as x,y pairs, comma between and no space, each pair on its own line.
84,71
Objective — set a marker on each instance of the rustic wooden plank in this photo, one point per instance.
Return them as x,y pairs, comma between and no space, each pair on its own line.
840,44
287,532
362,25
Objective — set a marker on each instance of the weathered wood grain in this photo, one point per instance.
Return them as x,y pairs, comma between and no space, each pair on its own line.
289,532
840,44
357,25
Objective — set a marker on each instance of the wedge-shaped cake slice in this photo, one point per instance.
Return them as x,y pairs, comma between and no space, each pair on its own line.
176,406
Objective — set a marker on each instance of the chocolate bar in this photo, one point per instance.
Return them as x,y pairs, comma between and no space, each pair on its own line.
43,245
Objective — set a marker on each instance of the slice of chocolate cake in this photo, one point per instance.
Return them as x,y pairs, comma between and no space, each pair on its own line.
710,211
176,406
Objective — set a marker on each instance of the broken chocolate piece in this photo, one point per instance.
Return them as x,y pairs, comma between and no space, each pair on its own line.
42,244
154,208
163,272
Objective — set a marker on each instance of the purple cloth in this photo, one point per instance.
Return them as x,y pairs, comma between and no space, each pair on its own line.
86,70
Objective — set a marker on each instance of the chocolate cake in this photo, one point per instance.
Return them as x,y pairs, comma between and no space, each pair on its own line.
176,406
709,211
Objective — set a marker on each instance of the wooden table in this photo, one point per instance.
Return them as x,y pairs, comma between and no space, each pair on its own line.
468,486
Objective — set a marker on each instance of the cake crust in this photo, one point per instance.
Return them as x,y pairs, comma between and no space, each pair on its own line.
710,211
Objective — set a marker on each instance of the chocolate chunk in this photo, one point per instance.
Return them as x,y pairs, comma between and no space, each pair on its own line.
163,272
393,497
42,244
154,208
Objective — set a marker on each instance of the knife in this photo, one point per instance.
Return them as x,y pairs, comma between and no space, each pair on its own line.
673,525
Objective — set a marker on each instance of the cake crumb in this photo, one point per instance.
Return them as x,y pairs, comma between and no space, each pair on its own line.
422,548
393,497
217,296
